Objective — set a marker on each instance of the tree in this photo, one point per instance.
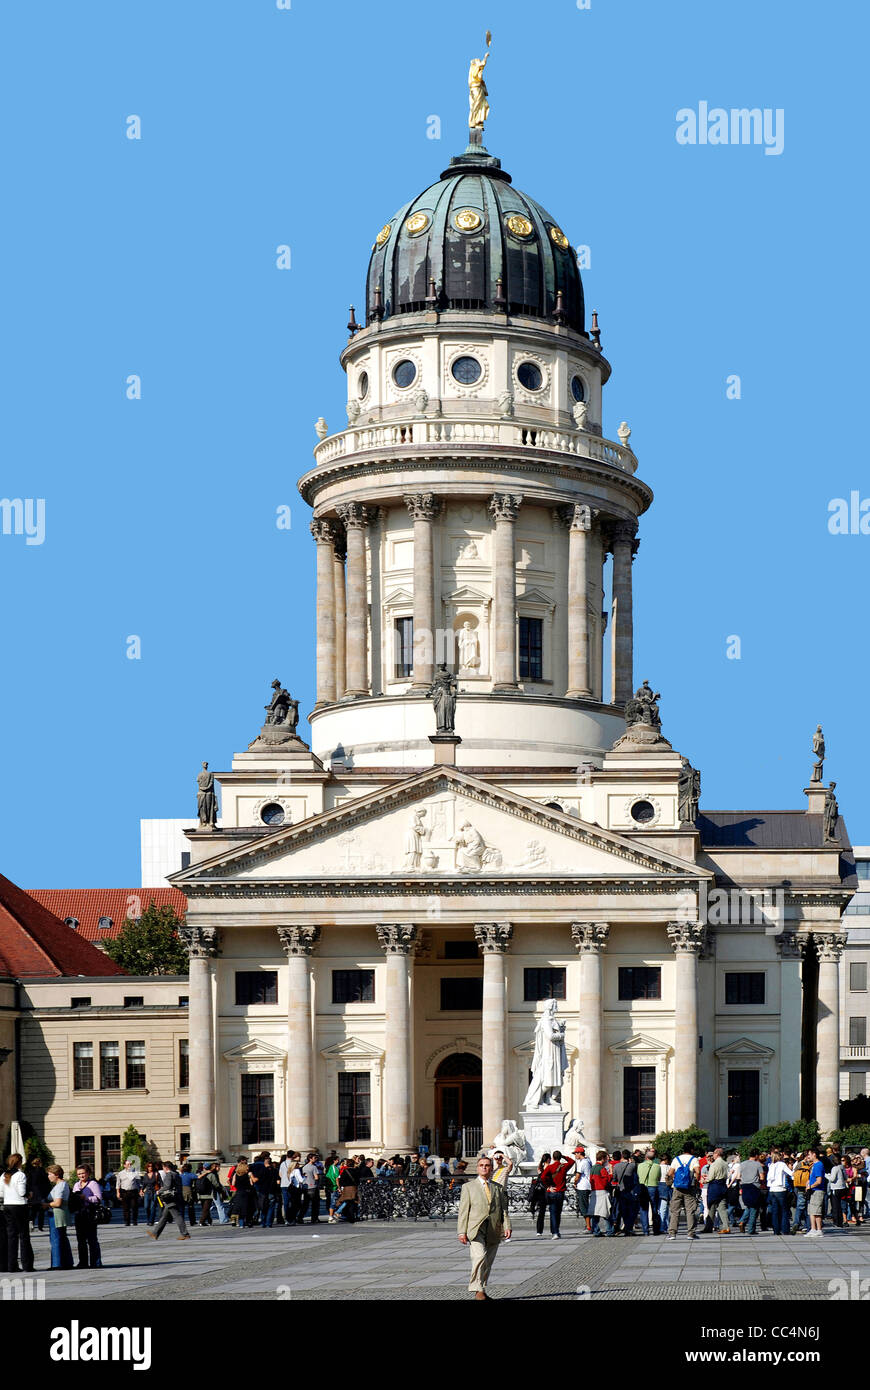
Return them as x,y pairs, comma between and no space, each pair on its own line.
150,945
674,1141
855,1138
855,1111
134,1146
794,1135
35,1146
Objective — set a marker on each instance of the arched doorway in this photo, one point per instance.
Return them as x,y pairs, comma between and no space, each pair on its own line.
458,1100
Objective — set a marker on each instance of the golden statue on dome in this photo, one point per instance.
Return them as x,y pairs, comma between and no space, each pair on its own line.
478,106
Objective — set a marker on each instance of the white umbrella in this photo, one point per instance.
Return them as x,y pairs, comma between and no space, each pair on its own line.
16,1139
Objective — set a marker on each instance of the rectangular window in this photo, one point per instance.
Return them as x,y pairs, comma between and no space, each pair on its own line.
183,1063
136,1066
744,987
857,1084
354,1106
862,868
84,1150
83,1066
110,1066
258,1109
184,1112
256,986
545,982
110,1153
185,859
353,986
183,1001
462,993
403,639
531,649
744,1089
184,1143
461,950
81,1001
134,1001
858,1031
639,1100
640,982
858,976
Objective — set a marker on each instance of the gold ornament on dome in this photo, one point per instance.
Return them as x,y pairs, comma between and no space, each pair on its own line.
417,222
383,235
520,226
468,220
559,237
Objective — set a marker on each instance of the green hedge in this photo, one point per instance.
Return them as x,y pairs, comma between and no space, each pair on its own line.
794,1135
856,1137
674,1141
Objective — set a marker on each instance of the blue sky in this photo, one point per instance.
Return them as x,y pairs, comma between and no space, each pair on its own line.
308,127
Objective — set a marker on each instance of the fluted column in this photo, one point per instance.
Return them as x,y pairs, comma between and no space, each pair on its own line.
829,949
622,624
338,550
397,943
322,531
203,946
355,519
791,947
579,677
424,507
504,507
494,940
298,943
687,940
590,940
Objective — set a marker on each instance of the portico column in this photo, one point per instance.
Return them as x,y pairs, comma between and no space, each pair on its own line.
298,943
579,682
687,940
622,625
397,943
791,947
322,531
829,949
424,507
355,519
494,940
203,946
339,545
505,507
590,940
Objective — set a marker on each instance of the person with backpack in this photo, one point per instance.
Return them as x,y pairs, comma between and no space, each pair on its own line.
625,1186
716,1174
170,1198
685,1190
751,1174
649,1171
210,1192
800,1178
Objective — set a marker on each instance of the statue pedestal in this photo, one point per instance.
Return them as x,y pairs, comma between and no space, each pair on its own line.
444,748
544,1130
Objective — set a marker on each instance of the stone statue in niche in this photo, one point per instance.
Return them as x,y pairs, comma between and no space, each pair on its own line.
549,1062
206,799
469,648
467,550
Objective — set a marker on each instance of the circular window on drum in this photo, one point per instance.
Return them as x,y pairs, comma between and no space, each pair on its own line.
578,389
273,814
530,375
466,370
362,385
643,812
404,374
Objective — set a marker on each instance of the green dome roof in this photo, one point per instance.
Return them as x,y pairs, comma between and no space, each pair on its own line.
485,245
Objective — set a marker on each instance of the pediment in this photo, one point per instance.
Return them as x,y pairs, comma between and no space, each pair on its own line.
353,1047
744,1048
254,1050
399,596
442,823
466,594
641,1043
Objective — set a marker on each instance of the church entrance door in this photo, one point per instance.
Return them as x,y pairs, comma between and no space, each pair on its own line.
458,1101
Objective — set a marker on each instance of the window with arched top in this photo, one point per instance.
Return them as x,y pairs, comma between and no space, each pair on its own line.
460,1064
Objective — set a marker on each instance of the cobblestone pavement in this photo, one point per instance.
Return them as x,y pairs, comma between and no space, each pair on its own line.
423,1260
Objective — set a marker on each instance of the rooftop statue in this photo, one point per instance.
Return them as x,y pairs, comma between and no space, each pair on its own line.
206,799
643,708
443,692
819,751
478,106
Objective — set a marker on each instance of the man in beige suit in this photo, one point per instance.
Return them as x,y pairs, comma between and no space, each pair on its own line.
483,1223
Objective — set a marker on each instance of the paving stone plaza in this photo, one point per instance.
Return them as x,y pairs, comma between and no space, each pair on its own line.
424,1261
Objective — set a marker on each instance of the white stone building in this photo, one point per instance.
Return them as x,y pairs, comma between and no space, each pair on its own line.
854,972
376,921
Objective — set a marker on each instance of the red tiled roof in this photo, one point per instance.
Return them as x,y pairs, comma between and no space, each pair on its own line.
88,905
33,941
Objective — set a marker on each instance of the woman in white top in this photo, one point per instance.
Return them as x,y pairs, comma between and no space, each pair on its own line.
17,1213
779,1181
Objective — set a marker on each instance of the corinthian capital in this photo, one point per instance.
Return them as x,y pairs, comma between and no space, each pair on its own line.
687,936
423,506
353,514
829,946
493,938
623,532
299,941
397,940
590,937
323,531
790,945
203,943
505,505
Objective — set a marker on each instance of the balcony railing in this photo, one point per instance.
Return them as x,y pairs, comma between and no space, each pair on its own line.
425,435
855,1051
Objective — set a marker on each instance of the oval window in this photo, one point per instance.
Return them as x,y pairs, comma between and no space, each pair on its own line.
404,374
467,370
578,390
643,812
529,375
273,814
362,385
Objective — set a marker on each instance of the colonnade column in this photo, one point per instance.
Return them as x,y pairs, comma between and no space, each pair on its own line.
791,947
339,546
397,943
424,507
590,940
504,507
494,940
622,624
829,948
579,679
298,943
355,518
203,946
687,940
322,531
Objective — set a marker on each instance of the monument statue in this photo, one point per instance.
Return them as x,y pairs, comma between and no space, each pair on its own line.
511,1141
819,751
830,816
469,647
206,799
549,1062
281,709
689,793
478,106
643,708
279,727
573,1136
443,692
